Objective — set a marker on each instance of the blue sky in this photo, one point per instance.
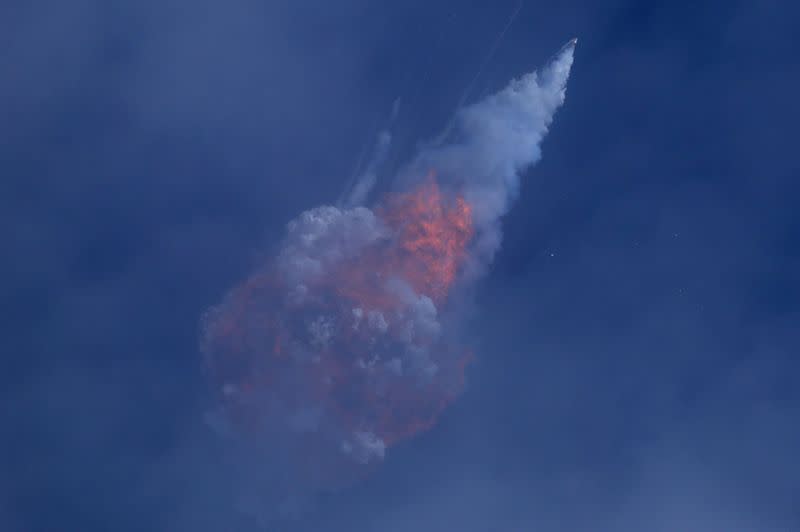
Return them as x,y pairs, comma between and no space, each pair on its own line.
636,337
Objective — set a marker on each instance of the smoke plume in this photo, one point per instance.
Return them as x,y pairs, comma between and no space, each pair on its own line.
339,347
493,142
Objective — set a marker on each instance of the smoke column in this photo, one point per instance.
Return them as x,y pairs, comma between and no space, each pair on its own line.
341,345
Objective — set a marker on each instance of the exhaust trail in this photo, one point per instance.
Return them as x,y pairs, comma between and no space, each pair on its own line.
493,142
363,181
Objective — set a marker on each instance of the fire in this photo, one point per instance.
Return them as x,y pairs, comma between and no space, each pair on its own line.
431,234
360,353
433,237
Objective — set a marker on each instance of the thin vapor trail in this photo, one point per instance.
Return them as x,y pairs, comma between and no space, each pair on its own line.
488,59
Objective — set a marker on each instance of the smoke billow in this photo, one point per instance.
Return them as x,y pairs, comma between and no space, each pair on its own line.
339,347
493,142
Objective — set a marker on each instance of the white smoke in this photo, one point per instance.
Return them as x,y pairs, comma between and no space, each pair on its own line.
322,237
366,182
317,242
493,142
361,184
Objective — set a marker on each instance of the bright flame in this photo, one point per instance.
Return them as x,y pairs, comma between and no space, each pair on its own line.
433,237
430,237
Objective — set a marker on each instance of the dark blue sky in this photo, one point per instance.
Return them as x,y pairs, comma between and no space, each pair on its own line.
637,337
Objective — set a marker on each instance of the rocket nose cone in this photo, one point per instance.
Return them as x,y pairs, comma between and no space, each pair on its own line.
568,47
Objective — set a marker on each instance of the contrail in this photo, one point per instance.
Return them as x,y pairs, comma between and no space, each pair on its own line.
369,177
488,59
489,56
417,84
363,180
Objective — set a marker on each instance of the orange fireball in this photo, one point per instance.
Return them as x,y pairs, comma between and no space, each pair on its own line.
348,361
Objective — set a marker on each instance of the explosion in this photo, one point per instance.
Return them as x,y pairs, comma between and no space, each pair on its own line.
340,339
337,348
